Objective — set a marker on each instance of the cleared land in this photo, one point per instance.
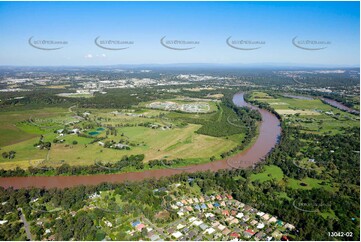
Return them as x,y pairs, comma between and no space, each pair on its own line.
272,172
269,173
182,106
12,133
312,116
157,134
301,112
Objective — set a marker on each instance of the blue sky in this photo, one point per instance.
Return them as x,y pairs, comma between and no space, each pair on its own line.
210,23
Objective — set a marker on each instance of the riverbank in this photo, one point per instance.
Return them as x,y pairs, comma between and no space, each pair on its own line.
269,133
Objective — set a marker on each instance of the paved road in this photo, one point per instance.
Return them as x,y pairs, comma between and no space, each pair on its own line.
159,230
26,224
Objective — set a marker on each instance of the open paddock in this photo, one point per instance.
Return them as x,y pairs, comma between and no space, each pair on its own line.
314,116
293,112
178,140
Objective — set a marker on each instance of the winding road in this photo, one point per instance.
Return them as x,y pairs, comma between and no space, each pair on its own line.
269,133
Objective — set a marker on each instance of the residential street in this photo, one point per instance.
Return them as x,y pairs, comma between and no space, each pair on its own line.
26,224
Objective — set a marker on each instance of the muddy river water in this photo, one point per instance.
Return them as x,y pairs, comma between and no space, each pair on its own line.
269,133
339,105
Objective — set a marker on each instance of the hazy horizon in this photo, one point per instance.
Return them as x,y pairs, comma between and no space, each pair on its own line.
226,65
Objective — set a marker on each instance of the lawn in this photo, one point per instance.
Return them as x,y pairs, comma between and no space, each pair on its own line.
309,183
329,215
274,172
269,173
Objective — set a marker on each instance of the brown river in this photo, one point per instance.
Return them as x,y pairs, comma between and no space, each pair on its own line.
340,105
269,133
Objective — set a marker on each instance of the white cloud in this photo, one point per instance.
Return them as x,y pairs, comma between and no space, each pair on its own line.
91,56
101,55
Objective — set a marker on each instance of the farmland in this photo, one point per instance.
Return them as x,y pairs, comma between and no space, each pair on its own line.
11,133
311,115
79,136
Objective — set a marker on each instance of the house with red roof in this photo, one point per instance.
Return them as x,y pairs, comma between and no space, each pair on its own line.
248,233
139,227
285,238
189,208
225,212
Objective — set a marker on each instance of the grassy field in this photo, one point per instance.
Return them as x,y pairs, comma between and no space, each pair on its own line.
179,141
270,172
309,183
311,115
274,172
12,133
261,95
306,164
